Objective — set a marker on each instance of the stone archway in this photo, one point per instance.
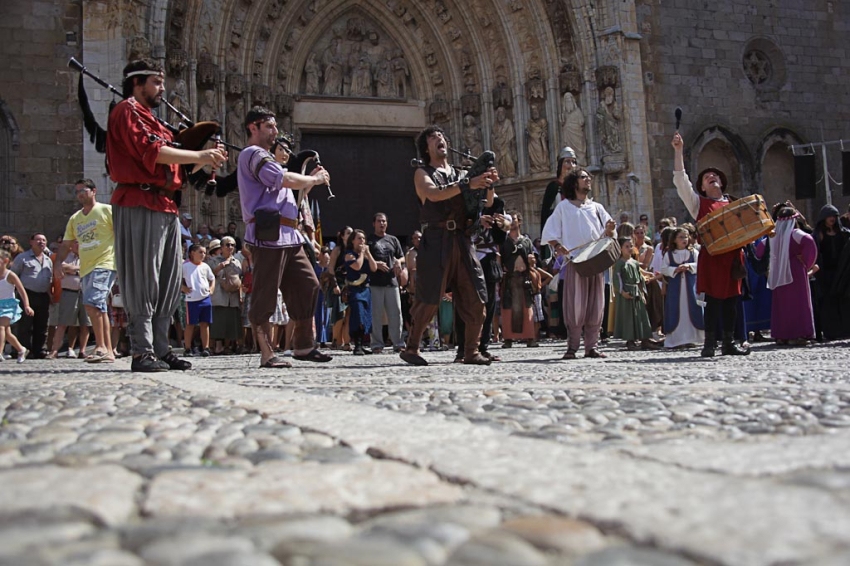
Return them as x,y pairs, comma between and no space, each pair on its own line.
721,148
775,174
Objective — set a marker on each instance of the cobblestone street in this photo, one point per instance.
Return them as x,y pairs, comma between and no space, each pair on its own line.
644,458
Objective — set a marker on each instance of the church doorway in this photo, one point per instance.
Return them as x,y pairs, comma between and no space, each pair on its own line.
369,173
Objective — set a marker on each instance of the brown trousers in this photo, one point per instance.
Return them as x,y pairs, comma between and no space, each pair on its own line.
289,270
466,302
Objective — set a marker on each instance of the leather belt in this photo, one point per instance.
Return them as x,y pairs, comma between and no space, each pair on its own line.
449,225
155,189
291,222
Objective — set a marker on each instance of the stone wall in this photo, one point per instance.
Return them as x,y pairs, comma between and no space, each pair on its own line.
40,142
748,75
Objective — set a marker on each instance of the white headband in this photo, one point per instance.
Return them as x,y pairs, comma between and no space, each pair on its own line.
137,73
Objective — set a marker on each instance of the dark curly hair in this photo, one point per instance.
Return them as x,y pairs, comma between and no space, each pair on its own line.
568,189
422,141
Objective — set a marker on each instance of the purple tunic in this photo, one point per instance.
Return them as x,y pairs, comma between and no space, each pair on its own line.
260,180
791,311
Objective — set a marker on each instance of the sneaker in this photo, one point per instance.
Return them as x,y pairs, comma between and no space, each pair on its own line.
148,363
70,354
205,353
22,355
287,353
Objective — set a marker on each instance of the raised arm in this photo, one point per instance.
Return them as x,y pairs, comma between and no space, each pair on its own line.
683,185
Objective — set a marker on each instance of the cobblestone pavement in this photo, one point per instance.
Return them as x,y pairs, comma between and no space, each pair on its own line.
647,458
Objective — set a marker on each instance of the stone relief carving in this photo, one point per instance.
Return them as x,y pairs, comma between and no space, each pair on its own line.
235,80
384,76
440,110
535,87
473,139
312,73
538,141
178,98
209,109
235,121
361,78
208,22
138,48
572,127
502,93
234,208
401,73
608,119
504,144
570,78
333,60
207,73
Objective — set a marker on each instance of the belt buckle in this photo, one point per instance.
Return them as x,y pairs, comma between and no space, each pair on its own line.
451,225
145,186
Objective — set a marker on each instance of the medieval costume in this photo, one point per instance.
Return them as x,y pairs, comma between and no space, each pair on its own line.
631,321
517,296
683,318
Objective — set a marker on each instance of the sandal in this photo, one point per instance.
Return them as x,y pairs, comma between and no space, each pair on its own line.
594,353
275,363
313,356
477,360
570,355
96,357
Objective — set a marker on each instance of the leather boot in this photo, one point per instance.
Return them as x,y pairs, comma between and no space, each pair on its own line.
730,348
708,345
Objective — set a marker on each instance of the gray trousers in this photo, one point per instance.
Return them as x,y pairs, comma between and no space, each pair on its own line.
386,300
149,259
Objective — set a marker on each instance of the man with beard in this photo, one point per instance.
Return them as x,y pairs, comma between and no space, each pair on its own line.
566,162
148,252
270,213
446,254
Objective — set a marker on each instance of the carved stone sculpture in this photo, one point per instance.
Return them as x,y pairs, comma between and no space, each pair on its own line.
313,72
178,98
504,144
384,77
332,60
401,72
572,127
473,140
538,141
608,121
209,108
361,78
235,121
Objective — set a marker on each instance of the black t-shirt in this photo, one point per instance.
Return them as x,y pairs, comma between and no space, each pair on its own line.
386,249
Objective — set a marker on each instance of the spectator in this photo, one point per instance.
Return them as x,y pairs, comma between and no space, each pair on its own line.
384,282
186,231
359,265
198,284
226,323
231,231
71,312
10,308
35,271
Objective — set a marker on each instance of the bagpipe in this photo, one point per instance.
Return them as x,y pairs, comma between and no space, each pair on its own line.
187,135
474,200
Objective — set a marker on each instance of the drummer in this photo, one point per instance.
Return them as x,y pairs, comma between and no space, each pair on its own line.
715,275
578,220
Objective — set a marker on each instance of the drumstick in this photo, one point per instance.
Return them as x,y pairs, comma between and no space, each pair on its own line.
678,117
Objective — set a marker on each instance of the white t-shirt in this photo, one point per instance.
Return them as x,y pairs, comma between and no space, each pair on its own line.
198,279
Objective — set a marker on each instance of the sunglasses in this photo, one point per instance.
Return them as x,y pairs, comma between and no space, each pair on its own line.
228,245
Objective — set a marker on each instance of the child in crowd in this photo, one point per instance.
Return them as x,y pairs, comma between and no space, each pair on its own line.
198,284
631,321
539,282
10,307
683,318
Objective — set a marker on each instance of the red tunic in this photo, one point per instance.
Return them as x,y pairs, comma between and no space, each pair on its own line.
714,272
134,138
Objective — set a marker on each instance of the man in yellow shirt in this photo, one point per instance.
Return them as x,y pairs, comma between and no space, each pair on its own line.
91,227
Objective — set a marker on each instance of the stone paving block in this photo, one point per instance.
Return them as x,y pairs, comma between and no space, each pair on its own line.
108,492
284,487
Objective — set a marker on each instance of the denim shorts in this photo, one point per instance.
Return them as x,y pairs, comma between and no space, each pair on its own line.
96,287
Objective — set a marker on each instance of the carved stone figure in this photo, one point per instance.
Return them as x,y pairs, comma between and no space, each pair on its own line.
400,73
234,209
313,72
538,141
504,144
384,77
473,140
332,59
361,78
235,126
178,98
572,127
608,119
209,108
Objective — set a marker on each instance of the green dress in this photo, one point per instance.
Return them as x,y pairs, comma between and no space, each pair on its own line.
632,319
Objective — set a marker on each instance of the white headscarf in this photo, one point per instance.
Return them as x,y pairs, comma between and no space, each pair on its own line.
780,260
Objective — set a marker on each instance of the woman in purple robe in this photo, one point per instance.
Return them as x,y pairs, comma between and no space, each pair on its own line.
793,254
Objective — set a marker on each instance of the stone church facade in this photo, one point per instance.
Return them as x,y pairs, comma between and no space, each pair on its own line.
523,78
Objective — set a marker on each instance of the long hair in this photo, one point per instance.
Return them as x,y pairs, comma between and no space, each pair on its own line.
568,189
349,247
340,236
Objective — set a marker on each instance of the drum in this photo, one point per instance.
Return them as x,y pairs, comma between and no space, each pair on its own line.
735,225
596,257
